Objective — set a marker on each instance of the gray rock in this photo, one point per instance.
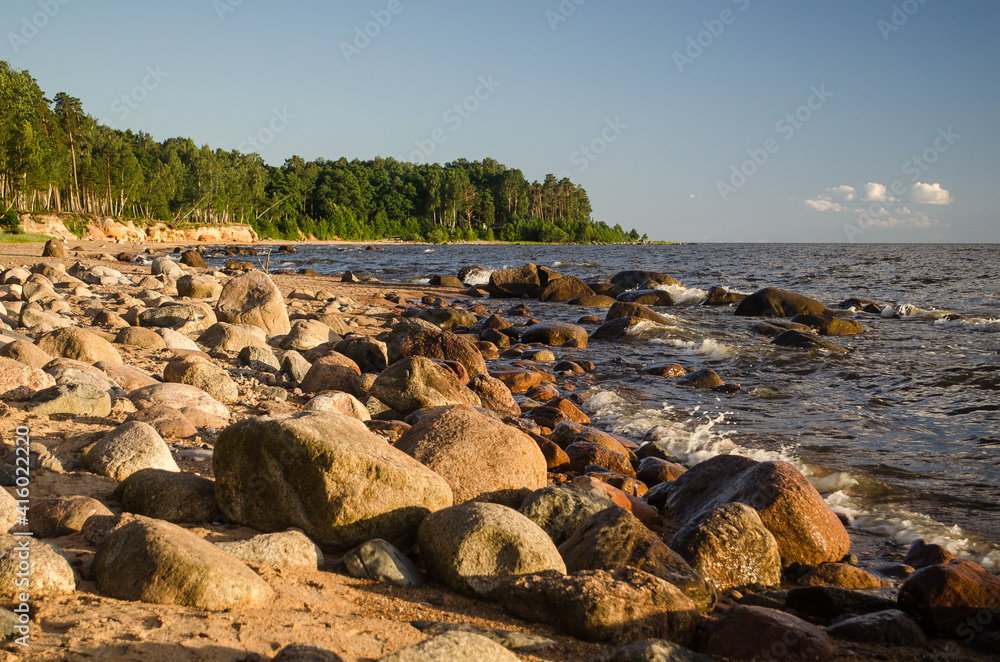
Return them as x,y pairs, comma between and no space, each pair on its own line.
522,642
129,448
260,359
891,627
370,354
452,646
295,366
172,496
51,573
181,317
198,287
302,653
560,510
175,340
232,338
198,371
338,402
79,399
288,549
380,561
307,334
254,299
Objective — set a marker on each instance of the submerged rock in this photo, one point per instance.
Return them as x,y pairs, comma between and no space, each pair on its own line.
773,302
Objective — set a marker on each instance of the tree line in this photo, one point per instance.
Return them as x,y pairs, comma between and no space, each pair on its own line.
56,158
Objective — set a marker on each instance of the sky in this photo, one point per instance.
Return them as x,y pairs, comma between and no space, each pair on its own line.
707,120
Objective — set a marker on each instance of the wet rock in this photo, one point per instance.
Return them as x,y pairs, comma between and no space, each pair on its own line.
825,604
638,507
613,538
333,372
157,562
555,457
718,296
652,297
556,334
829,325
78,399
193,259
518,381
730,547
866,305
57,517
465,646
623,309
805,340
793,511
418,382
949,600
599,605
472,546
411,338
758,633
654,470
617,328
288,549
254,299
129,448
921,554
18,380
513,283
79,344
202,373
446,281
380,561
594,301
325,474
671,370
557,411
564,289
776,328
704,378
587,453
51,573
628,280
772,302
480,458
495,395
885,628
201,409
169,495
842,575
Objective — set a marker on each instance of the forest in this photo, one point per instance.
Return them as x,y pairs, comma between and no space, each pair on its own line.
54,157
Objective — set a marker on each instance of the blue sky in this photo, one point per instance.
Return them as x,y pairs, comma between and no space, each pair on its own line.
709,120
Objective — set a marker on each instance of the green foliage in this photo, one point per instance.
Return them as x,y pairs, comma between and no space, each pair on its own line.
6,238
53,156
76,225
10,222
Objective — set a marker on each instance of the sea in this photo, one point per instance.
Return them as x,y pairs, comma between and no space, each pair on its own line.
901,435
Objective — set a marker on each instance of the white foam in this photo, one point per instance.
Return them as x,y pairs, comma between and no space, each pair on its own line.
985,325
478,277
709,348
908,310
422,281
430,250
683,295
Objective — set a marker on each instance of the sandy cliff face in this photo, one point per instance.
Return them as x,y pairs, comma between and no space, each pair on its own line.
108,229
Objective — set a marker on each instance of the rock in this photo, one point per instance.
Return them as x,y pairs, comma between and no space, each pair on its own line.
295,366
176,340
169,495
233,338
480,458
55,248
564,289
772,302
518,381
259,359
51,574
68,371
182,317
54,518
380,561
561,510
829,325
370,354
325,474
587,453
824,604
157,562
557,411
884,628
79,344
921,555
288,549
26,352
647,297
136,336
805,340
599,605
18,380
513,283
866,305
418,382
730,548
254,299
793,511
302,653
447,318
613,538
556,333
595,301
627,309
78,399
628,280
198,287
170,423
472,546
704,378
338,403
494,395
201,409
409,338
129,448
638,507
520,642
718,296
164,265
333,372
193,259
196,371
452,646
949,600
842,575
653,471
308,334
651,650
758,633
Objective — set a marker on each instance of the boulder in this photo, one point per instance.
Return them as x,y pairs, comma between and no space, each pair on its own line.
447,318
20,380
555,334
843,575
718,296
287,549
921,554
254,299
26,352
55,248
806,340
746,633
772,302
79,344
201,409
198,286
170,423
652,297
825,604
480,458
232,338
495,395
380,561
333,372
730,548
830,325
339,403
452,646
883,628
628,280
136,336
806,530
513,283
419,382
949,600
200,372
152,561
260,359
628,309
78,399
704,378
370,354
471,547
50,571
411,338
193,259
325,474
169,495
564,289
129,448
63,516
181,317
594,301
561,510
308,334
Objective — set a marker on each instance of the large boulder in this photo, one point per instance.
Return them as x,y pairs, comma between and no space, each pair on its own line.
50,572
772,302
157,562
198,286
564,289
481,458
233,338
513,283
419,338
806,530
55,248
78,399
129,448
758,633
949,600
198,407
622,309
600,605
614,538
190,317
287,549
419,382
79,344
308,334
830,325
254,299
200,372
629,280
495,395
333,372
730,547
561,510
370,354
169,495
325,474
25,352
471,547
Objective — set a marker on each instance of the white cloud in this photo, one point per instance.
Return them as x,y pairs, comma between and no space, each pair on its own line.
930,194
832,198
875,192
820,204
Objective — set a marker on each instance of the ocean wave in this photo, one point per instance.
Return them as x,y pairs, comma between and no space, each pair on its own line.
684,295
908,310
478,277
589,265
709,348
985,325
421,281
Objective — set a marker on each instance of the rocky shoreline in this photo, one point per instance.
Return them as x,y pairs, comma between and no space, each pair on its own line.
230,465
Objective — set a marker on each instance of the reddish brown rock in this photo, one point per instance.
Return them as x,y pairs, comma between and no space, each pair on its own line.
543,393
556,458
518,381
653,471
584,453
513,283
954,600
53,518
746,633
921,554
412,337
841,575
772,302
556,334
333,372
623,309
564,289
18,379
642,510
495,395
